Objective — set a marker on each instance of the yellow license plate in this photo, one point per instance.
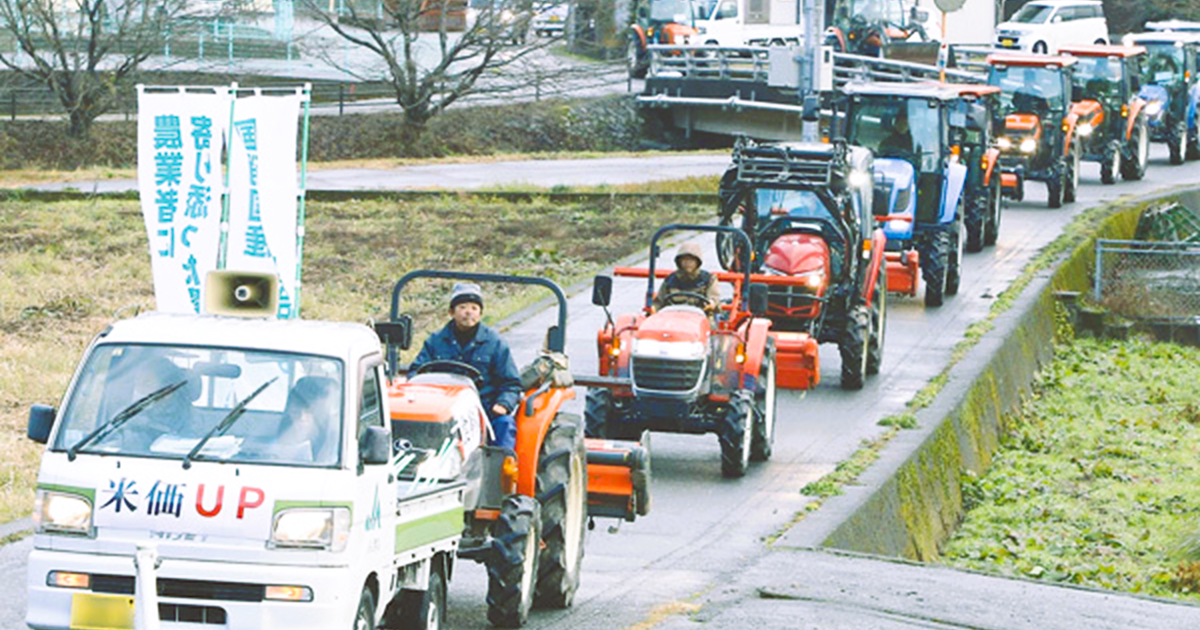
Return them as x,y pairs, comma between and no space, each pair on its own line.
1006,42
90,611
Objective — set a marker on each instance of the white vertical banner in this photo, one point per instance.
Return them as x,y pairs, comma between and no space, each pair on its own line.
180,137
264,191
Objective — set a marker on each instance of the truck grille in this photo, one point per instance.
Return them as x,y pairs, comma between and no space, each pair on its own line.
184,589
666,374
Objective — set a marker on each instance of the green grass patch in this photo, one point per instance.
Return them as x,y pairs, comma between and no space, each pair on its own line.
1095,482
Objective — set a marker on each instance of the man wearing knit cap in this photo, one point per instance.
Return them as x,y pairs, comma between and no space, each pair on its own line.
466,340
688,277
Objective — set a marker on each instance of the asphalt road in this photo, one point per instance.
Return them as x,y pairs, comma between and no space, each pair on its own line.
705,531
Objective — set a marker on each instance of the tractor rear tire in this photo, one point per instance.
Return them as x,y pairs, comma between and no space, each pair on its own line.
854,347
954,266
1071,181
1110,165
513,567
878,322
735,434
562,493
991,226
421,610
1054,187
974,222
762,439
1135,169
1177,142
934,257
1193,144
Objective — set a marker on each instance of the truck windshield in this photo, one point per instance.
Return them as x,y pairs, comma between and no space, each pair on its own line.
295,418
677,11
1032,14
1029,89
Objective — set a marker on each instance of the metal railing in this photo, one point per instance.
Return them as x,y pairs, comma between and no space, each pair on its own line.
1155,280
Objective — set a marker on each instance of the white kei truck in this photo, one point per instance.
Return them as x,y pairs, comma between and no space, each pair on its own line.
183,472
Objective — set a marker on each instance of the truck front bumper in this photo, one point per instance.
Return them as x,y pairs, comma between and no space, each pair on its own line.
195,593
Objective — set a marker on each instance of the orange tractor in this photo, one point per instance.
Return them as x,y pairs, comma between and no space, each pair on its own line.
677,370
1111,120
527,508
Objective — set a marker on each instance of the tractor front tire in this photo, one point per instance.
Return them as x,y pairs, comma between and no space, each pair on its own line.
1071,181
878,322
1177,142
954,264
762,438
1054,187
1111,166
562,493
1193,144
735,434
513,568
598,411
934,258
991,227
1139,148
975,221
636,67
854,347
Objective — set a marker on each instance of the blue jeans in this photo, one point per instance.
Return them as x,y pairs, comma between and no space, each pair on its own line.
505,429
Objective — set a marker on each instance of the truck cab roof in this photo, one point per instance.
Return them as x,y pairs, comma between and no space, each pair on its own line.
333,339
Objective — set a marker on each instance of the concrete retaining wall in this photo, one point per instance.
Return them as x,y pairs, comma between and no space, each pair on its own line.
909,501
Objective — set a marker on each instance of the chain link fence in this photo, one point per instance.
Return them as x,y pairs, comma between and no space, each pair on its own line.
1148,280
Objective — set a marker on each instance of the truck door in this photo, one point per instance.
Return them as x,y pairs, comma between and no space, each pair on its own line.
377,484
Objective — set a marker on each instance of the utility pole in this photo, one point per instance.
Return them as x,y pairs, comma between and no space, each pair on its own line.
810,62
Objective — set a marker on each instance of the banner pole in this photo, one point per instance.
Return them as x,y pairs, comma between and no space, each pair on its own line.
223,247
306,94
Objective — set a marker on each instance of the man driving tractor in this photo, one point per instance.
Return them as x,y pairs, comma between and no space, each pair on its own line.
466,340
689,278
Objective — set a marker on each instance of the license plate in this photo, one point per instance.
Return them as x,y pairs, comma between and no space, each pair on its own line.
90,611
1006,42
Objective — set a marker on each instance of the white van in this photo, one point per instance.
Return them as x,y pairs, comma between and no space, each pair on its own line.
1042,26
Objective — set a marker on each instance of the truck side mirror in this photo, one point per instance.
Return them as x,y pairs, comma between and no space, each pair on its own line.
602,290
41,420
758,299
397,333
376,446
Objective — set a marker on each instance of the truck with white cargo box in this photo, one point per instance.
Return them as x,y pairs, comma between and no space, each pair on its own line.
179,434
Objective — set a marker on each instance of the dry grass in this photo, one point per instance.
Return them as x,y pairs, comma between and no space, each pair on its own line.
69,268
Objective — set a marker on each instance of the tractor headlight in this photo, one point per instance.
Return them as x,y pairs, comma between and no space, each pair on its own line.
61,513
1028,145
312,528
506,16
679,350
898,225
1004,142
859,179
1084,130
1154,109
813,280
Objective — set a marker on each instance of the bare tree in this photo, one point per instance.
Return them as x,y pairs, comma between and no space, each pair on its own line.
87,52
435,52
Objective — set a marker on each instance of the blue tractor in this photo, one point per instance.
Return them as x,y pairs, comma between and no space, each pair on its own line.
919,179
1171,89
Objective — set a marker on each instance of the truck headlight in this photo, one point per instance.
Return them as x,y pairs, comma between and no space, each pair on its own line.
1084,130
311,528
62,513
1028,145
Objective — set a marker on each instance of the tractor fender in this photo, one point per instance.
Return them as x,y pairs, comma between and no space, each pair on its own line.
878,245
1193,103
1135,110
838,35
991,158
536,413
1088,111
637,31
956,180
757,332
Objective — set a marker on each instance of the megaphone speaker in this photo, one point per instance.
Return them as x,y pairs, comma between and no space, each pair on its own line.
241,293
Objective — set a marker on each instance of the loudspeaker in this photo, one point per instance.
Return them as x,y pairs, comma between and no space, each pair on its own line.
241,294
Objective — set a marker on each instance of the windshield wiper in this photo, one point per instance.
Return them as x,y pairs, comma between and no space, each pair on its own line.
225,423
123,416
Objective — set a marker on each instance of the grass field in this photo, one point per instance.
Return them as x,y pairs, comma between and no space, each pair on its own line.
69,268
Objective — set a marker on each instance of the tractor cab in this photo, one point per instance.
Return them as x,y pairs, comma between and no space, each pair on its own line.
919,178
661,22
976,142
1035,135
1112,123
1171,90
880,28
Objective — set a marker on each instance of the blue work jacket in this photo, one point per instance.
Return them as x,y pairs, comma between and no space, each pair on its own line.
488,353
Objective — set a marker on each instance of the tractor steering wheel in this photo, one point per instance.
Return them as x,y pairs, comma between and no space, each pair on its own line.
448,366
688,298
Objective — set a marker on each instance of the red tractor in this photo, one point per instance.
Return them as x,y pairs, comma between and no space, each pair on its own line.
807,208
526,509
676,370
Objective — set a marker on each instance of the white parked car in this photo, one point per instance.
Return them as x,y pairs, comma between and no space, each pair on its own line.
551,20
1042,26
